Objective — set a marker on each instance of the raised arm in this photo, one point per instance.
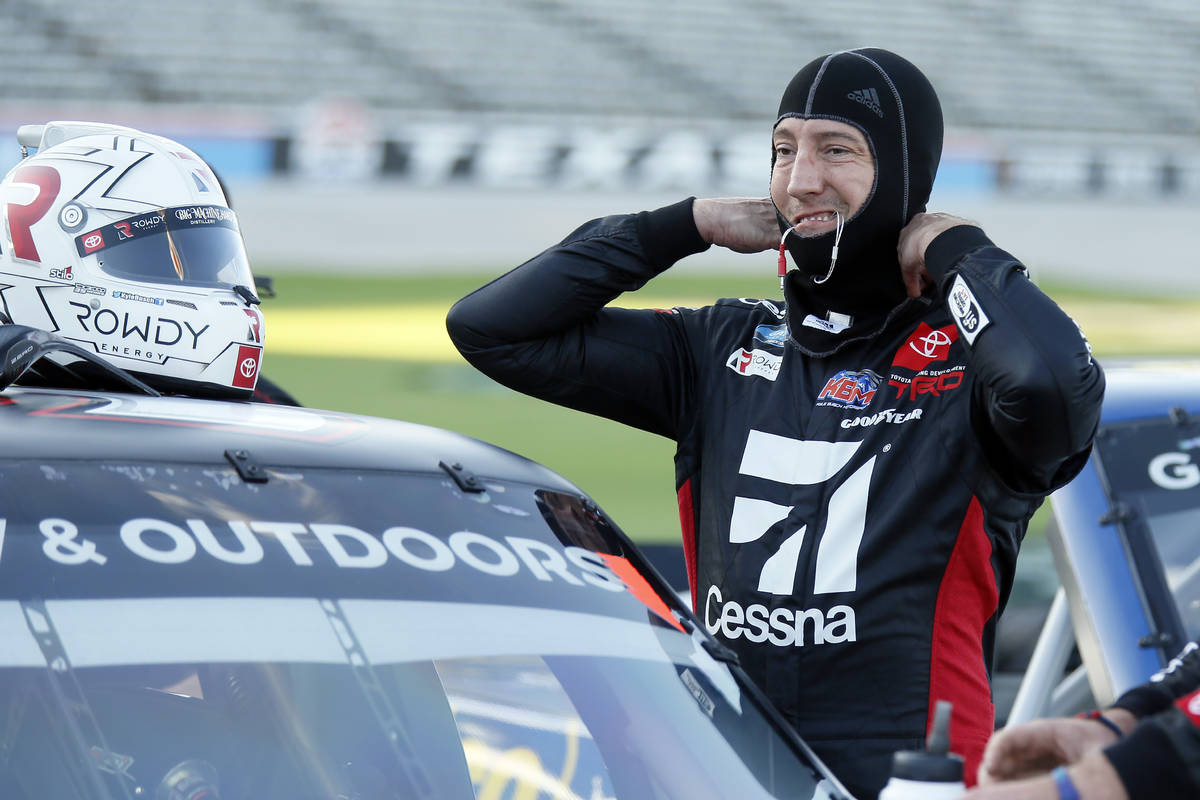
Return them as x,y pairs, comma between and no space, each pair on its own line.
543,328
1038,392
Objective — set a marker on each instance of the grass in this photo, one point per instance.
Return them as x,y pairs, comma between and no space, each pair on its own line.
378,346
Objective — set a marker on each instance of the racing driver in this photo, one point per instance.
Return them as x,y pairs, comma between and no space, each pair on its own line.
856,465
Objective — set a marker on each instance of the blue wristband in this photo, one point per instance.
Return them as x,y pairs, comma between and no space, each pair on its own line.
1066,789
1106,722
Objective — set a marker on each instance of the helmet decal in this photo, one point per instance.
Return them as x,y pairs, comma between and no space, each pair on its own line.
23,216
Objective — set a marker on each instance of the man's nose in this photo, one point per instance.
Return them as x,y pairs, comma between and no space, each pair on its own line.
806,177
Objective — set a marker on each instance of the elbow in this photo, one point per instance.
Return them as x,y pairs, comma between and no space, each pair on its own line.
1051,419
462,328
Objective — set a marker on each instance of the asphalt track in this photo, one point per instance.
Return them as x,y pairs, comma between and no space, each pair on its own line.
1139,245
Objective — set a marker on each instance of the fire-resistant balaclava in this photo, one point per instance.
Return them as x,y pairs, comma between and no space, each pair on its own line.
894,105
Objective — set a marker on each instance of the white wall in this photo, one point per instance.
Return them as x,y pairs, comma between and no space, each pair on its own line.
1141,244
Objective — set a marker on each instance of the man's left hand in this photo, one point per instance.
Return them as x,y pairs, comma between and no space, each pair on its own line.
914,238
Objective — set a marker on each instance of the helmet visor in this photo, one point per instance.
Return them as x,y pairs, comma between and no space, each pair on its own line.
185,245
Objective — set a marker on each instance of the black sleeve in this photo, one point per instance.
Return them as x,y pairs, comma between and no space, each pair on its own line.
543,328
1180,677
267,391
1160,759
1037,394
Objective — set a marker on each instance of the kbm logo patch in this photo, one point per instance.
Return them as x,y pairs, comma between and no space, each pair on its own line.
849,388
755,362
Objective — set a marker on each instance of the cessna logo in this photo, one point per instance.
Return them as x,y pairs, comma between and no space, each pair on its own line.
782,627
150,329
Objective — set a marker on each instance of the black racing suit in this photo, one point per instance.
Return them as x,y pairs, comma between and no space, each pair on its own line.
1161,757
850,522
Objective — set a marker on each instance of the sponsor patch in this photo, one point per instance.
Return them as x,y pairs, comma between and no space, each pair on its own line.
965,309
141,298
771,335
91,242
755,362
827,325
85,288
924,346
246,373
1190,705
850,388
933,382
64,274
891,415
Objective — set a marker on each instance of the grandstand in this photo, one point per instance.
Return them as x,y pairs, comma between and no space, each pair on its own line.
1040,90
1104,65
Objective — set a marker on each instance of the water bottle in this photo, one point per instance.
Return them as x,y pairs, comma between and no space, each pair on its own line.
930,774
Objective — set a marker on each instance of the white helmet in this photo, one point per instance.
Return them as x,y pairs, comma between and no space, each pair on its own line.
123,243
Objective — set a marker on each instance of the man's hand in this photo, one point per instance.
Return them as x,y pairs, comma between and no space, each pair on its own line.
914,238
1093,777
742,224
1042,745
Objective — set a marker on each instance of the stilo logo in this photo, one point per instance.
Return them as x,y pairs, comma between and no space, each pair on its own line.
868,98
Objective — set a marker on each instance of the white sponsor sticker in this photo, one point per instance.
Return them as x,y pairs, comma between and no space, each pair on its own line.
755,362
836,324
965,309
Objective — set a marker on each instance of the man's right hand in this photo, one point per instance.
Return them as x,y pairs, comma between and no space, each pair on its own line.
1041,745
742,224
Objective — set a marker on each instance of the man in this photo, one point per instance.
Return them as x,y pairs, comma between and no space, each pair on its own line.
1146,745
856,464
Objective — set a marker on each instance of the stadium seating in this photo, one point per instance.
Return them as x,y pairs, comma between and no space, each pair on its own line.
1104,65
1078,71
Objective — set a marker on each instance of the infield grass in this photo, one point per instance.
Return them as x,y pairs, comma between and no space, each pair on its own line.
378,346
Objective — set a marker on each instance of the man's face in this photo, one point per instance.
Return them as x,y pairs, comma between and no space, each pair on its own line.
821,166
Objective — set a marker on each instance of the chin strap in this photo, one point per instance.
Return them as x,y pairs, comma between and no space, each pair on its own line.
837,238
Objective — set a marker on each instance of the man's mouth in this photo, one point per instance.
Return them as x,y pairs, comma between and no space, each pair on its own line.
817,219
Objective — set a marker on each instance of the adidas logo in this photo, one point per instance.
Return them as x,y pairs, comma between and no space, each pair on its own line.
868,98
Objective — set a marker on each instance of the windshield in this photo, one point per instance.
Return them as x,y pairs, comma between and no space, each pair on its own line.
329,635
189,245
1153,471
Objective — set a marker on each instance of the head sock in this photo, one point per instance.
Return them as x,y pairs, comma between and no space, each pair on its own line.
893,104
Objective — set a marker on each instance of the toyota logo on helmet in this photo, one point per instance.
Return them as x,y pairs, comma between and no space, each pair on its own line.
148,265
